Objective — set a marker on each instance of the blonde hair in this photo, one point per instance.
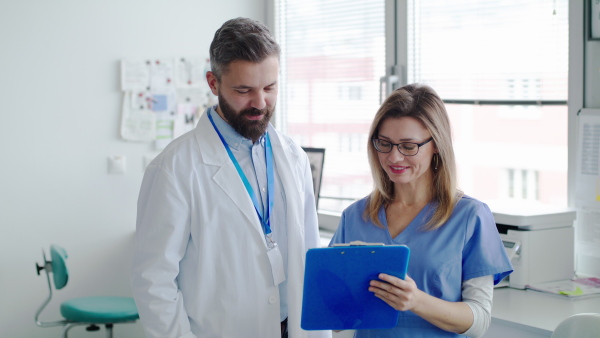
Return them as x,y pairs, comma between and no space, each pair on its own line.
422,103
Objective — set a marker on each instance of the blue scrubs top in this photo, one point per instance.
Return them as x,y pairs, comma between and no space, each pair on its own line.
466,246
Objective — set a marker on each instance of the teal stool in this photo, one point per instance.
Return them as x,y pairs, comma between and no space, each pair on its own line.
89,311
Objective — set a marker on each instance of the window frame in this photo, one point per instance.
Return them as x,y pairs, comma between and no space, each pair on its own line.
396,60
397,63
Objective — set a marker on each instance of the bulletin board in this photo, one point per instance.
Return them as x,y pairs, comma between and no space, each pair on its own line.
163,97
587,193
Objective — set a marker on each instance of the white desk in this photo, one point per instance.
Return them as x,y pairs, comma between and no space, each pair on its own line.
526,313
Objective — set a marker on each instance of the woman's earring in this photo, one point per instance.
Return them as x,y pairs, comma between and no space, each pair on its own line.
435,156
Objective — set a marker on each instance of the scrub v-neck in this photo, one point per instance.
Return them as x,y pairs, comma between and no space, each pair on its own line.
416,222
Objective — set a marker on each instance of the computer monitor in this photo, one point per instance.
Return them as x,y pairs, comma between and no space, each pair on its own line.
316,157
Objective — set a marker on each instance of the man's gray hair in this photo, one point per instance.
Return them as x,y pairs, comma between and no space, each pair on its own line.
241,39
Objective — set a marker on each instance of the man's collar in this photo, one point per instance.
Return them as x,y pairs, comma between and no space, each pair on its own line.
231,136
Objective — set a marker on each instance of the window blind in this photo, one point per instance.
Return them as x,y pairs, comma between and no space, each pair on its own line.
490,51
333,56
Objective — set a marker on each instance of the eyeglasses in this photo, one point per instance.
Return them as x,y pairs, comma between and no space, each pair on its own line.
405,148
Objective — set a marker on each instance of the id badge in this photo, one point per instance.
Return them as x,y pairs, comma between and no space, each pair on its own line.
276,261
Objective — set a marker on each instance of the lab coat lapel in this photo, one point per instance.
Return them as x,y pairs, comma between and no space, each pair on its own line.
286,161
226,177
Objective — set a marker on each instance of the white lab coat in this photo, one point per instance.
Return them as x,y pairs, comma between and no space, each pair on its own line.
200,265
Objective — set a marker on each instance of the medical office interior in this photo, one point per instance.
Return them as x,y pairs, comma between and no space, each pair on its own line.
72,163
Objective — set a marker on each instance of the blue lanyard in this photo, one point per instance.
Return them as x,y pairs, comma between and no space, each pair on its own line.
265,215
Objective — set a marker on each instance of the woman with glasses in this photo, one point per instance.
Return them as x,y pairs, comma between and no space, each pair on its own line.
457,255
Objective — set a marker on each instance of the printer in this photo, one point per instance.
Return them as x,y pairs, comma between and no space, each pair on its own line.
539,240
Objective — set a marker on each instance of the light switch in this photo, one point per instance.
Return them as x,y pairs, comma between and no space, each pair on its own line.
117,165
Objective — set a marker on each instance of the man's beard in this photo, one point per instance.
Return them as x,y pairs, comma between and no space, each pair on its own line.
251,129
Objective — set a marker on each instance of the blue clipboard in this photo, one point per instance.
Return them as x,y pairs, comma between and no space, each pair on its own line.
336,286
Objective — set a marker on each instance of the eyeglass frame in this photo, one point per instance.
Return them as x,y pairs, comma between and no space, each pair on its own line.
419,145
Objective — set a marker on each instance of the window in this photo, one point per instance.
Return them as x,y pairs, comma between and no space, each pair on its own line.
350,92
500,66
333,56
520,184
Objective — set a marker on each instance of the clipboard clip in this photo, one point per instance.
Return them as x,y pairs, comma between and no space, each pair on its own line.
358,243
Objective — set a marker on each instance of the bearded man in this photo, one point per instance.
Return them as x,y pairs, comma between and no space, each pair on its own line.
227,211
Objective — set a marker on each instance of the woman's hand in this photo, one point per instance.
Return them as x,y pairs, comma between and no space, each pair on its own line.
404,295
400,294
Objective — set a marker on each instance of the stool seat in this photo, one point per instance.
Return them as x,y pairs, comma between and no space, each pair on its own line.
100,310
89,311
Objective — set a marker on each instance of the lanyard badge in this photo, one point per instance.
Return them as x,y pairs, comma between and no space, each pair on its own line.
264,215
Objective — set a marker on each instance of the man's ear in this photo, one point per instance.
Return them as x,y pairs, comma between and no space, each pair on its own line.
213,82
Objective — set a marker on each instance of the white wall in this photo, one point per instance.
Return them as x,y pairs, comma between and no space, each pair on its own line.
60,106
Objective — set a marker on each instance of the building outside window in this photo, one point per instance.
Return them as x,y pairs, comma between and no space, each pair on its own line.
501,68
